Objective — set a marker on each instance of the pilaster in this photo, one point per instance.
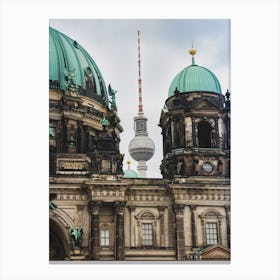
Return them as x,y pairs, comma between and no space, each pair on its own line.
132,225
194,132
227,208
193,225
180,234
217,142
161,226
94,208
119,211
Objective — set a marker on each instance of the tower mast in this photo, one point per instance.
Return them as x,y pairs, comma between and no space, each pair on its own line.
140,105
141,147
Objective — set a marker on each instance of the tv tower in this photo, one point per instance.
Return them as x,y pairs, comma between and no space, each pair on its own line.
141,147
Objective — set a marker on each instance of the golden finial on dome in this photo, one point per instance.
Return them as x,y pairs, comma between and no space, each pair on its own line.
192,52
128,163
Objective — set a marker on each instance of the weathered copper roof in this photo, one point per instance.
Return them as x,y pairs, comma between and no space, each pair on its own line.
67,57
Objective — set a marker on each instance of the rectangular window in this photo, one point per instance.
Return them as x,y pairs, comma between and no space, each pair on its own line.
211,233
105,237
147,234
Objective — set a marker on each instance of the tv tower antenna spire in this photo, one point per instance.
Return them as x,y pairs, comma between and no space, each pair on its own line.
140,105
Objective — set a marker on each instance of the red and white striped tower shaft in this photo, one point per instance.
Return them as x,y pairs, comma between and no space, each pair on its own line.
140,105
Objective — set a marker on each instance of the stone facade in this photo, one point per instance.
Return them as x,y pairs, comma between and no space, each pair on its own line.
177,211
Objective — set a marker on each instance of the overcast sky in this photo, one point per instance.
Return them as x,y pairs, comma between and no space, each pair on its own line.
164,52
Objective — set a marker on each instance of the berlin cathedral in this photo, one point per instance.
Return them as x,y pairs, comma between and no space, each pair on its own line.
100,212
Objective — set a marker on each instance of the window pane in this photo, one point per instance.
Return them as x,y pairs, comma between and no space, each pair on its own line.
211,233
104,240
147,234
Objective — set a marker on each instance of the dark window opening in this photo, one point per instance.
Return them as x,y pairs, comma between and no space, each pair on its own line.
204,135
90,88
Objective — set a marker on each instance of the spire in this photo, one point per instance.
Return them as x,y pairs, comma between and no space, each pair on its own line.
128,164
192,52
140,106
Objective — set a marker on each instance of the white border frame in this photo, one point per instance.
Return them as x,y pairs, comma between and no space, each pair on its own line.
255,109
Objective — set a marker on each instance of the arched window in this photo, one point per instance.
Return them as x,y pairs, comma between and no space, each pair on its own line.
204,134
211,225
147,227
90,87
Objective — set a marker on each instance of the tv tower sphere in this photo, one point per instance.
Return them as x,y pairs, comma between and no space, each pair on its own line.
141,147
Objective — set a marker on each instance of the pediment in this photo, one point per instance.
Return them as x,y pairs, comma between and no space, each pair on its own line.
215,252
205,104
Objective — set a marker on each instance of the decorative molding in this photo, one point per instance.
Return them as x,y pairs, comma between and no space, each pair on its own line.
146,215
211,215
60,216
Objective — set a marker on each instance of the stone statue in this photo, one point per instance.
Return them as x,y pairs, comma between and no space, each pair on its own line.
179,168
72,142
52,206
76,236
120,162
112,94
70,77
51,130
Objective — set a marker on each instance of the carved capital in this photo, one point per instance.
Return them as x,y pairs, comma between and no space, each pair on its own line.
132,208
193,207
227,207
94,206
119,207
161,211
179,209
80,207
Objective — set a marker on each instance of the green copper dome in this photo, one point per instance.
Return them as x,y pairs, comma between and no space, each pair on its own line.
130,173
69,62
195,78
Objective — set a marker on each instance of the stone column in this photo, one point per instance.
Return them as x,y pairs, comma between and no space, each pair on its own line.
94,207
180,235
193,226
194,132
161,225
227,207
217,142
132,225
119,210
166,230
